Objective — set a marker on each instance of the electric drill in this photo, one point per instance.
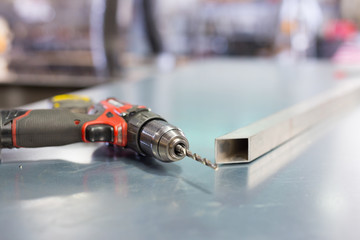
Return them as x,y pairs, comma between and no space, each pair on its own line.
111,121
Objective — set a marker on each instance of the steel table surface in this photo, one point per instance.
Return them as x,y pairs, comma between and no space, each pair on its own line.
310,190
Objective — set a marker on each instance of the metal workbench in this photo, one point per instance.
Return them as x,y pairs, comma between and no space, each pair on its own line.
306,189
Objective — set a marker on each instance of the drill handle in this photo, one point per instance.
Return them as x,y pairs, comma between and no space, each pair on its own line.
40,128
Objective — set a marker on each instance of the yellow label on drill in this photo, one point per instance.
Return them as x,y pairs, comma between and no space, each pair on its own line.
65,97
74,103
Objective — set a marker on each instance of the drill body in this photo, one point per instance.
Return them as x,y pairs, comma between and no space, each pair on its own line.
111,121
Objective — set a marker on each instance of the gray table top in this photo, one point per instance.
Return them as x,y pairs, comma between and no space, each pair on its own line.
306,189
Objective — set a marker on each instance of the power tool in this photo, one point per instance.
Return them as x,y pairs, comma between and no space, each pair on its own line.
111,121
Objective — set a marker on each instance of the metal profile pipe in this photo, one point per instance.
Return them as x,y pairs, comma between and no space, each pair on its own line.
248,143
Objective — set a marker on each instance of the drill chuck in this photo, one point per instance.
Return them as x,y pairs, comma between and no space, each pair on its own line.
159,139
149,134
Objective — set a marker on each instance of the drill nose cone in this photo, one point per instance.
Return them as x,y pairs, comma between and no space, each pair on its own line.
168,143
159,139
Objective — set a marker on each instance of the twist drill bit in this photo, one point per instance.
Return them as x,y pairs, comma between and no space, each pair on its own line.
196,157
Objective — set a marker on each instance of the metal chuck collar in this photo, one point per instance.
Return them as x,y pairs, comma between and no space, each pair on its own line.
160,140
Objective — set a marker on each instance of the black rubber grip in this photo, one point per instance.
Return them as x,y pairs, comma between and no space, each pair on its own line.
6,118
52,127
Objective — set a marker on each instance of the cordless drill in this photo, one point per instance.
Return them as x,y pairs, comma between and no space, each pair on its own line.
111,121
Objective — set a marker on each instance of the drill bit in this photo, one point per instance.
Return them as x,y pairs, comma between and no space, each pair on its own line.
196,157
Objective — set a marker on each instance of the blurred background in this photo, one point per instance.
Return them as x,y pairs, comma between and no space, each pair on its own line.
49,47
